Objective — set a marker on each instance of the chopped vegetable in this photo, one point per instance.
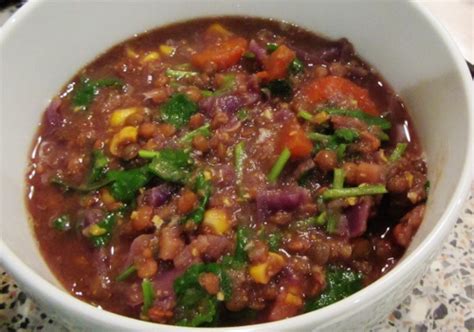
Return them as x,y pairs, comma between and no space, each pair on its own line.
62,223
280,88
203,188
271,47
100,234
88,89
217,220
127,134
201,131
321,219
338,181
171,165
118,117
222,56
305,115
332,223
239,157
227,85
127,273
249,55
242,240
242,114
293,137
317,137
177,110
362,190
99,166
340,284
279,165
278,62
85,188
346,134
398,152
262,272
296,66
274,241
126,183
340,150
368,119
167,50
148,295
180,74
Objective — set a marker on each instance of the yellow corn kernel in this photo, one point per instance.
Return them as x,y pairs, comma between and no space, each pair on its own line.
149,57
131,53
409,178
383,156
259,273
220,296
293,299
207,175
118,117
219,29
351,200
126,134
95,230
320,118
217,220
106,197
167,50
412,196
157,221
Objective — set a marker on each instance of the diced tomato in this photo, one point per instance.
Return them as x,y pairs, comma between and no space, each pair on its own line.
223,55
293,137
340,91
278,62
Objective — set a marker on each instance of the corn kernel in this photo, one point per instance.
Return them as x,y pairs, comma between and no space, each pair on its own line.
119,116
409,178
219,29
220,296
320,118
149,57
293,299
259,273
351,201
217,220
383,156
131,53
126,134
167,50
207,175
412,196
95,230
157,221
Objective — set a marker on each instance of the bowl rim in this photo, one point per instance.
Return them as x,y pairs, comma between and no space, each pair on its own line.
60,298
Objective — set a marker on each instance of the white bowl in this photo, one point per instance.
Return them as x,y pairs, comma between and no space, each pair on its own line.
47,42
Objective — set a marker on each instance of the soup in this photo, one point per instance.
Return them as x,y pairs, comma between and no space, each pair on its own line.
224,171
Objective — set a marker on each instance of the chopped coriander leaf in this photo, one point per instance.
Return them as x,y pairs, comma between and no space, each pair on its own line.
87,89
84,188
99,166
62,223
127,273
374,189
227,85
368,119
398,152
242,240
201,131
148,295
102,231
126,183
296,66
271,47
274,241
340,284
427,186
177,110
171,165
279,165
280,88
203,187
180,74
242,114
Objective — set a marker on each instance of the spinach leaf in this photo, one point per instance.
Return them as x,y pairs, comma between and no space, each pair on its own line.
88,89
99,166
340,284
107,225
203,187
178,110
280,88
126,183
171,165
296,66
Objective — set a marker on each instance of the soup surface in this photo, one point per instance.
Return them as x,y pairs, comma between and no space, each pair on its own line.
224,171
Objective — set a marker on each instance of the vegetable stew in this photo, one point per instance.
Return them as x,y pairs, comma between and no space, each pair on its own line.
224,171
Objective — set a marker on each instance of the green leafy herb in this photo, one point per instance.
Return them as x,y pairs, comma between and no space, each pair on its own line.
127,273
363,190
279,165
126,183
177,110
398,152
180,74
99,166
274,241
271,47
239,157
148,295
296,66
340,284
368,119
84,188
427,186
228,84
204,189
280,88
171,165
107,224
202,131
242,114
322,138
346,134
88,89
62,223
242,240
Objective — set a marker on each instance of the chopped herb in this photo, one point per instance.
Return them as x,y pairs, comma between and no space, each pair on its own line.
368,119
338,181
228,84
274,241
340,284
201,131
427,186
242,114
279,165
127,273
239,157
204,189
317,137
362,190
180,74
271,47
398,152
305,115
107,224
99,166
148,295
84,188
62,223
177,110
242,240
346,134
206,93
88,89
249,55
171,165
126,183
147,154
296,66
280,88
